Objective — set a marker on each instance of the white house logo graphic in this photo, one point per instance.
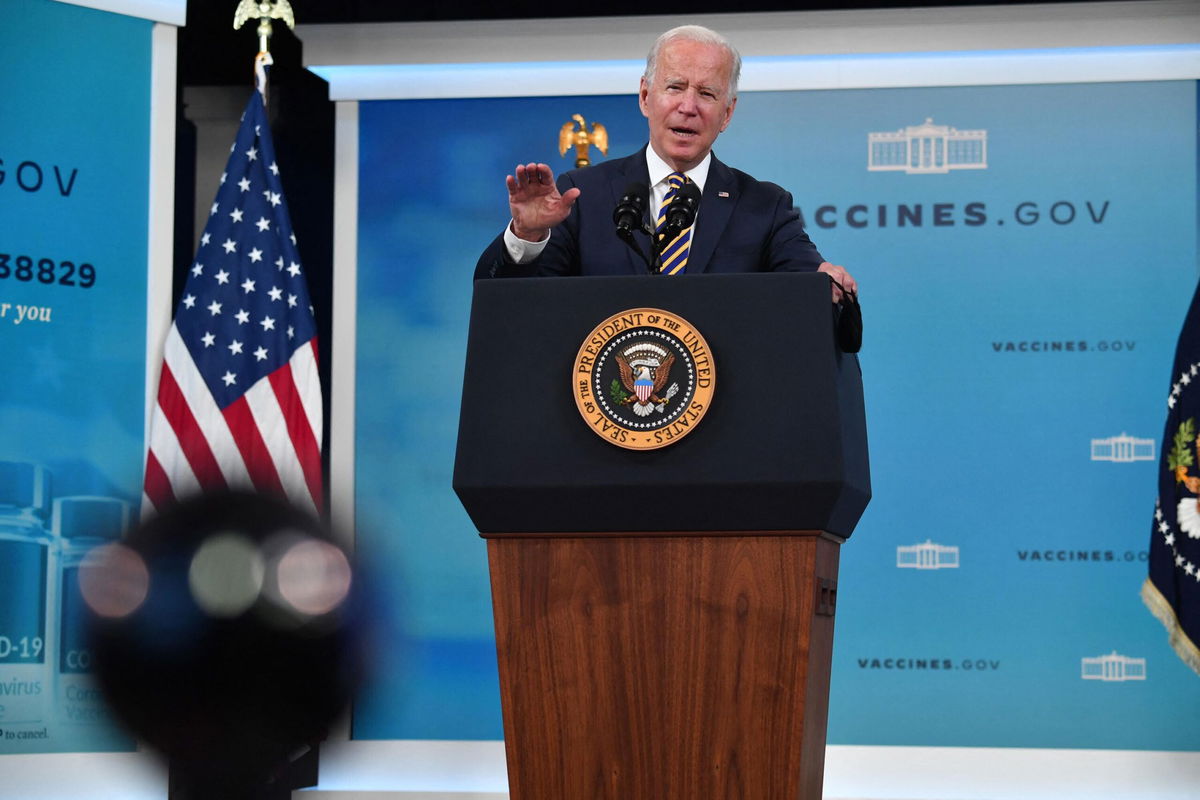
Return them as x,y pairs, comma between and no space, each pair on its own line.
1123,449
926,149
927,556
1114,667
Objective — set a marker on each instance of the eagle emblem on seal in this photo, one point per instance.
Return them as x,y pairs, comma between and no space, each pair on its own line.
645,369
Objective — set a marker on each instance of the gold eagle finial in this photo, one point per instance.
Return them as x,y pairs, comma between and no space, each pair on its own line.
264,11
581,139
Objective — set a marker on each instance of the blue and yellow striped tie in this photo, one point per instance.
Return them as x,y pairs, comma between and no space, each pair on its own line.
674,254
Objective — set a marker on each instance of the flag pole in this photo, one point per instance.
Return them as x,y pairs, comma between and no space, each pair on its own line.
264,11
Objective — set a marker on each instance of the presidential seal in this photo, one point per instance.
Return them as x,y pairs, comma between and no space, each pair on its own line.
643,379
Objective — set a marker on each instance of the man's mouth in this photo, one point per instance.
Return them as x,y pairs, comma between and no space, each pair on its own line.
685,132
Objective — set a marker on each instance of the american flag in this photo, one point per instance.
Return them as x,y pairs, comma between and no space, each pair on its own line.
1172,588
239,400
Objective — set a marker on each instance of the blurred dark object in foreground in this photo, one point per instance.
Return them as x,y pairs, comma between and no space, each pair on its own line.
225,636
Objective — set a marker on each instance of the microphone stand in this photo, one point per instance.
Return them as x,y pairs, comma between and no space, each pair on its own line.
626,235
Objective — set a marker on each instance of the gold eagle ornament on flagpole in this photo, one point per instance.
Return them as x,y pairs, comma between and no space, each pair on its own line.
264,11
581,139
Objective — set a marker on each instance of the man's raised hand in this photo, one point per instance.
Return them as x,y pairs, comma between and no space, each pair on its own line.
535,201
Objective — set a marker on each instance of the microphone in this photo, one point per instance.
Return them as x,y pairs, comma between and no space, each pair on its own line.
629,216
681,213
678,217
631,209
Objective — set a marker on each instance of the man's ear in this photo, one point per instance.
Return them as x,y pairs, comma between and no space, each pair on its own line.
729,114
643,95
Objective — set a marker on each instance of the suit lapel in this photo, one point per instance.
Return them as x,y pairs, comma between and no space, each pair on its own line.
633,170
716,206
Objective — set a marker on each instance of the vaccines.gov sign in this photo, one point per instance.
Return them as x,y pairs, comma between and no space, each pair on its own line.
1026,255
74,171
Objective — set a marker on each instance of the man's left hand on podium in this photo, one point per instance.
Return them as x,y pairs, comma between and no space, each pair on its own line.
840,278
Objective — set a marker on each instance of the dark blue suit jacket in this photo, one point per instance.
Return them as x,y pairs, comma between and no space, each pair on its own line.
744,225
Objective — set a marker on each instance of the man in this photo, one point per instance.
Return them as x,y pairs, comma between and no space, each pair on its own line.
688,94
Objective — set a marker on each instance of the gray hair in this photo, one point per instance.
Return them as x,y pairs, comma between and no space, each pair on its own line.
696,33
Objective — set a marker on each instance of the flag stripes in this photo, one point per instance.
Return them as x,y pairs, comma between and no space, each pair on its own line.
198,456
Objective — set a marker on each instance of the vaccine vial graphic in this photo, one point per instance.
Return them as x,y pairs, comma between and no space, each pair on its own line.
79,524
24,565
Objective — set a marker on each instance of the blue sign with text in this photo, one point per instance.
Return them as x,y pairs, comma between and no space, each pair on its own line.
74,178
1025,254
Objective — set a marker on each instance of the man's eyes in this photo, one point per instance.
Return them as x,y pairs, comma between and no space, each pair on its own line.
707,94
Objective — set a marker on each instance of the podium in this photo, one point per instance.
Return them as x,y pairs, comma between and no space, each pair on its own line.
664,618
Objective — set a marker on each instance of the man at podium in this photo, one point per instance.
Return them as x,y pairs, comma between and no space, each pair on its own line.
688,94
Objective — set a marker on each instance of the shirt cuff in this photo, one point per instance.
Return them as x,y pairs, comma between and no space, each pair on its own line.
521,251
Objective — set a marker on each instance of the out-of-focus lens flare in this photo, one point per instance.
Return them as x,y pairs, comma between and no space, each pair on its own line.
313,577
114,580
226,574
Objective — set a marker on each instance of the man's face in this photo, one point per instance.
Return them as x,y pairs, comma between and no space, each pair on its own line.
689,103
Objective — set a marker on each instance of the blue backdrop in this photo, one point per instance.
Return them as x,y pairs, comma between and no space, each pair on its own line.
1022,292
74,176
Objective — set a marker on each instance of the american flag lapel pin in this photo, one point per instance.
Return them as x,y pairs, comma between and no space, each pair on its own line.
722,194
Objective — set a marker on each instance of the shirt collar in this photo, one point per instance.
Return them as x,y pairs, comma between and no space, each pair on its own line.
659,169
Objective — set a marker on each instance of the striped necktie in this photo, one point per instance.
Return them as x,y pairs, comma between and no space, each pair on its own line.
675,253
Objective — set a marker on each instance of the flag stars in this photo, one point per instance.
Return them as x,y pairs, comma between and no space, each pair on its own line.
1179,560
1171,402
1185,379
1170,539
1163,527
250,194
1189,568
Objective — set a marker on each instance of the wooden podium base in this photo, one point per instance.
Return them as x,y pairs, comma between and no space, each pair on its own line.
665,667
